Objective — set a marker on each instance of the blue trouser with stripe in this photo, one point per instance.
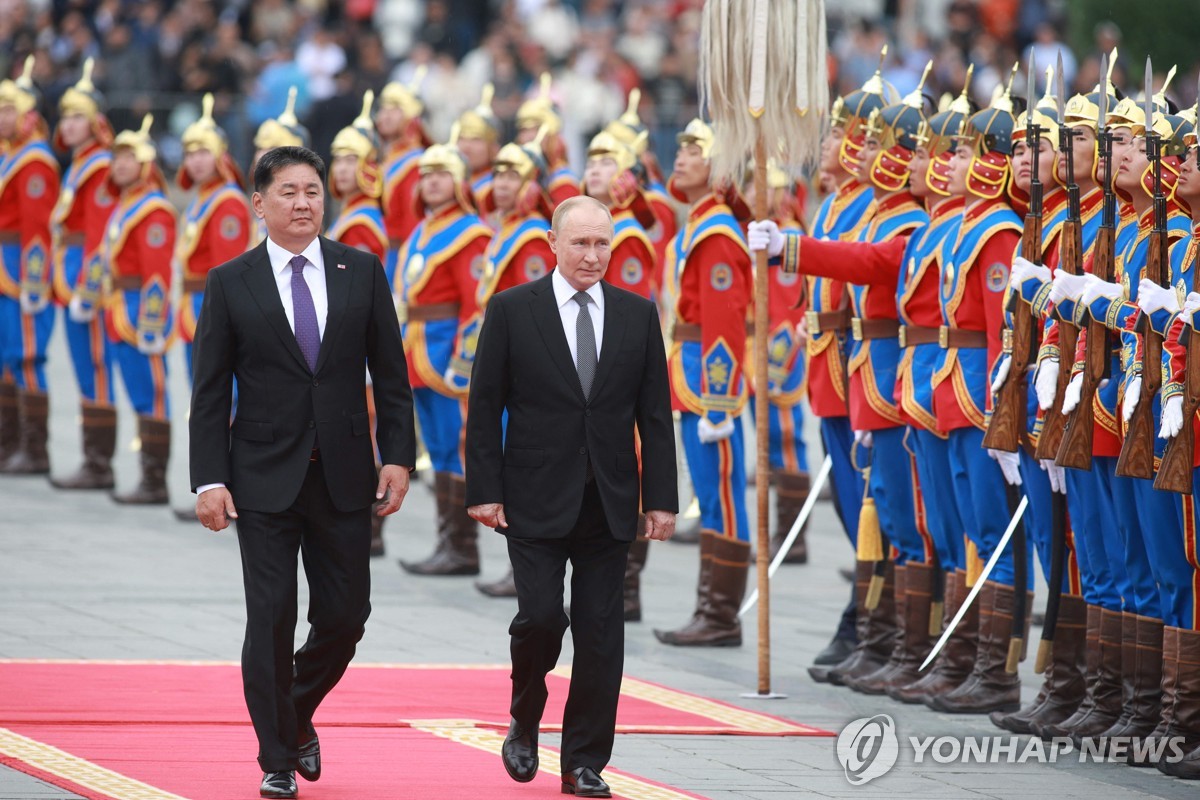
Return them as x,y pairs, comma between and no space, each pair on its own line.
718,471
838,440
1090,504
145,379
941,511
891,487
441,428
979,490
87,342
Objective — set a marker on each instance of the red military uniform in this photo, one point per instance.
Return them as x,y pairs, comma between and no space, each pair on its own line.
400,178
216,229
361,225
518,253
631,265
80,216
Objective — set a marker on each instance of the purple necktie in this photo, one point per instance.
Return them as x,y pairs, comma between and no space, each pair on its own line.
304,313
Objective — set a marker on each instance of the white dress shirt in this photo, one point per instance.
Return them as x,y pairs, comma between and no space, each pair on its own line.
314,275
568,311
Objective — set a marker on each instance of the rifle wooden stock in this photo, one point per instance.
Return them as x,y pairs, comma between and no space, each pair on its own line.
1075,452
1175,470
1053,420
1007,427
1137,451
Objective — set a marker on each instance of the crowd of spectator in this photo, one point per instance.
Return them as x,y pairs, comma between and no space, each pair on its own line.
160,56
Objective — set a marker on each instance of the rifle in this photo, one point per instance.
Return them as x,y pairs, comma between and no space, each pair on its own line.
1137,452
1070,261
1007,427
1175,471
1075,451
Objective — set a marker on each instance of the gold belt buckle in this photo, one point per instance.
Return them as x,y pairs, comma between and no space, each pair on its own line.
814,322
1006,340
944,336
856,329
903,336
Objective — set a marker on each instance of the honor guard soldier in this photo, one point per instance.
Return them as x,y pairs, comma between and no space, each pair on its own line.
282,131
441,265
871,275
29,180
609,178
403,138
710,276
788,456
1181,636
78,223
479,141
519,251
538,118
216,223
138,244
628,129
355,181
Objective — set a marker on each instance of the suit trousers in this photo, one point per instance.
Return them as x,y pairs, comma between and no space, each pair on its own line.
283,691
597,631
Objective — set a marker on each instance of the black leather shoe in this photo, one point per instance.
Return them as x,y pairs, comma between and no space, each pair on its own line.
278,785
584,782
308,756
834,653
520,753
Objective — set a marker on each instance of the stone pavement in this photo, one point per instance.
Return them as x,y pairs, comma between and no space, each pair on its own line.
81,577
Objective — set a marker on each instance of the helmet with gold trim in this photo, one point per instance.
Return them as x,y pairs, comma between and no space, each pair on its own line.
358,139
937,137
539,111
896,127
850,113
481,121
405,98
284,130
141,144
85,99
447,158
22,95
988,133
205,134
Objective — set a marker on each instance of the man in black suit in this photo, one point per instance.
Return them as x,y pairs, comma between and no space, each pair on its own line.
579,366
295,321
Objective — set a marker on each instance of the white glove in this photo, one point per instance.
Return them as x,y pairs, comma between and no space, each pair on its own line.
1045,382
864,438
1066,286
153,345
710,433
80,313
1095,288
1172,417
1010,465
1024,269
765,235
455,381
1001,373
1191,303
29,306
1073,393
1133,392
1056,474
1152,297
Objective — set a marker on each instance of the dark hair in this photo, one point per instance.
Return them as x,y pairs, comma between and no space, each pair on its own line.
277,158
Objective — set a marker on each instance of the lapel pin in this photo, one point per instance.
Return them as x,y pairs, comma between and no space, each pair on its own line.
341,266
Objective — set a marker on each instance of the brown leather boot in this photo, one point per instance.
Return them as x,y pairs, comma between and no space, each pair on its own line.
990,687
875,644
457,550
378,548
1063,685
31,457
10,421
1185,711
791,490
1143,703
1094,717
870,683
155,436
862,582
1151,746
1091,669
913,642
504,587
715,622
954,663
634,565
99,444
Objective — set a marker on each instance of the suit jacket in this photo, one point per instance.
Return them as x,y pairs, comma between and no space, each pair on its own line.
537,468
282,405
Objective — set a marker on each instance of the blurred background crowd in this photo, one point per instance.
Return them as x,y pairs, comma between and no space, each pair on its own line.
160,56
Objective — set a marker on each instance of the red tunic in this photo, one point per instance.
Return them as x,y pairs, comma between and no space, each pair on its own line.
631,265
82,212
400,176
138,246
28,192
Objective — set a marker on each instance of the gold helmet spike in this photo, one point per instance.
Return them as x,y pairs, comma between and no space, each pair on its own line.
874,84
915,99
1003,101
875,125
630,117
605,145
139,142
284,130
539,110
357,138
1160,97
288,117
20,93
82,98
203,134
26,79
405,97
480,122
962,103
363,120
1047,102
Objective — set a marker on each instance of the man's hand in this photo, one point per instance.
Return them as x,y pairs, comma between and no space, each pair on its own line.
660,525
765,235
393,484
489,514
215,508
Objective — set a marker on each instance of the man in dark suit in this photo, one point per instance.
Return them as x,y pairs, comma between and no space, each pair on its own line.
295,321
580,368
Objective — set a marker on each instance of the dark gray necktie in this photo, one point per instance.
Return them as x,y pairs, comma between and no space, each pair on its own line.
304,314
585,344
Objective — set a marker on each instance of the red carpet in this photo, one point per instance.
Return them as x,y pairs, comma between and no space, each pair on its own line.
112,731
